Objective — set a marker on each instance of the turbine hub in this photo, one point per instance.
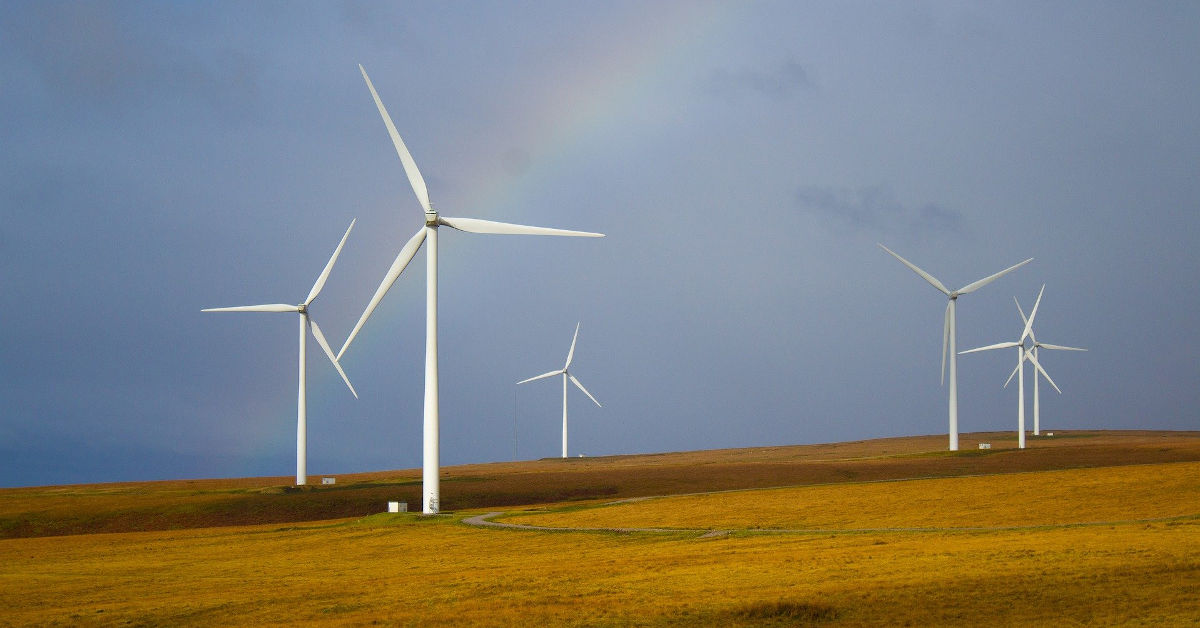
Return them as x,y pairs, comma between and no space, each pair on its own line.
302,308
431,218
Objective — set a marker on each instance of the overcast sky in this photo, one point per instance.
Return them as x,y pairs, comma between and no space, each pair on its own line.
743,158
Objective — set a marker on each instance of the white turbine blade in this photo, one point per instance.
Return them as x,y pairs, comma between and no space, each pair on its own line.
1002,345
271,307
475,225
1043,371
316,332
571,353
1024,320
945,340
580,386
924,275
410,166
1013,374
402,260
972,287
1032,314
542,376
1060,347
316,289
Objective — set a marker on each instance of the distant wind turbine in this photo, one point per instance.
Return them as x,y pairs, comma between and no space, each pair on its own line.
950,330
306,323
1033,351
1022,356
565,375
430,499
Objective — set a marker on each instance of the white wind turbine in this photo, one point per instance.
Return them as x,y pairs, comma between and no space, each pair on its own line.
950,330
306,323
1033,351
1023,355
565,375
428,233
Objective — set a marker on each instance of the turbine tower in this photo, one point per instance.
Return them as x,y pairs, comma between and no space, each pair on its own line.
1023,355
950,330
430,499
1037,421
306,324
565,375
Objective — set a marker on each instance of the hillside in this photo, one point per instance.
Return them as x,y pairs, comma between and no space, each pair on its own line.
182,504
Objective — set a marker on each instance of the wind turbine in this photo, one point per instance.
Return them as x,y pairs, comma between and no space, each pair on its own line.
566,374
1023,355
306,323
950,330
429,233
1037,423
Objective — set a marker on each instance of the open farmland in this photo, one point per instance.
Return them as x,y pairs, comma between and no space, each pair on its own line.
1081,552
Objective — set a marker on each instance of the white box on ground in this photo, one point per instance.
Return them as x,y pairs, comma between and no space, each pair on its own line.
985,445
397,506
328,480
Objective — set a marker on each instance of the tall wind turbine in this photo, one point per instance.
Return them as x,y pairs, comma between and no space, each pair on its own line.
429,233
306,323
1037,421
1023,355
565,375
950,330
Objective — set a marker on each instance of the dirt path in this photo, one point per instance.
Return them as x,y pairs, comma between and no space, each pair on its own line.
484,521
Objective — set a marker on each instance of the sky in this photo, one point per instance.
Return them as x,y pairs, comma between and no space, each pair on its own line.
742,158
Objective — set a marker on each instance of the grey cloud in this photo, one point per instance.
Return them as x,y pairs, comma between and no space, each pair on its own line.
875,208
103,55
779,83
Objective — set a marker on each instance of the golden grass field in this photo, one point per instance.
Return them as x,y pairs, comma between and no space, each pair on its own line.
1086,557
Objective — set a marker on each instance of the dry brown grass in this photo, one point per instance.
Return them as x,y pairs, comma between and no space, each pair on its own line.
1075,496
409,570
412,570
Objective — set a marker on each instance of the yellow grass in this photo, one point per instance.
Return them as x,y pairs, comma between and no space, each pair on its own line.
408,570
1019,499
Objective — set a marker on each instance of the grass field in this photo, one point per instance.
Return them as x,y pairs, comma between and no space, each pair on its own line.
414,570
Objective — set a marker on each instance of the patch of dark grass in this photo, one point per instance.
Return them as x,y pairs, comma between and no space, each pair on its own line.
779,613
787,612
962,453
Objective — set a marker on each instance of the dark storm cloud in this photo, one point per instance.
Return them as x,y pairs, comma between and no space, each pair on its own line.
875,209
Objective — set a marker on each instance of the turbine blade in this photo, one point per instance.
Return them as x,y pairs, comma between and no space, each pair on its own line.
316,289
1042,371
571,353
410,166
1025,320
475,225
402,260
316,332
271,307
972,287
1032,314
924,275
945,341
580,386
1013,374
542,376
1001,345
1060,347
